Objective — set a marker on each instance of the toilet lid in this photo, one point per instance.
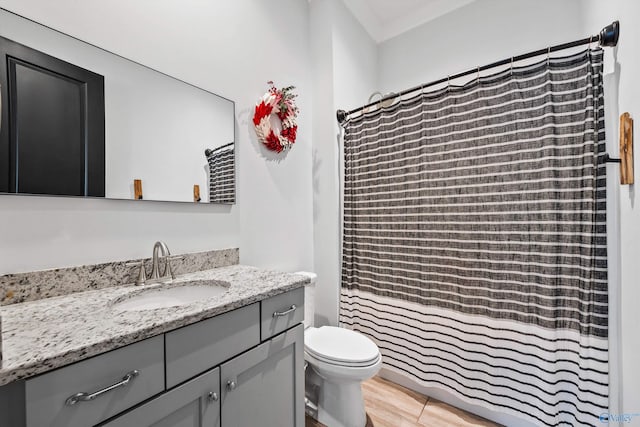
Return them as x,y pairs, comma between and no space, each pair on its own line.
340,345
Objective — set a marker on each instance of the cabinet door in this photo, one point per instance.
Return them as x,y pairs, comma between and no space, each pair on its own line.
195,403
265,386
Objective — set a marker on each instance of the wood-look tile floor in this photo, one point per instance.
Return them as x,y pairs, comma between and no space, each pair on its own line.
390,405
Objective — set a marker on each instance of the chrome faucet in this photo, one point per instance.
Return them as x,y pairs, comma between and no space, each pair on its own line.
167,273
155,277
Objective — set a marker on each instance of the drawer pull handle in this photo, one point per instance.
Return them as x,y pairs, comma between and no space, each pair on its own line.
284,313
84,397
231,385
213,396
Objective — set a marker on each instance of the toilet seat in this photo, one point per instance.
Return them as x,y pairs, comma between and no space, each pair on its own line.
341,347
319,358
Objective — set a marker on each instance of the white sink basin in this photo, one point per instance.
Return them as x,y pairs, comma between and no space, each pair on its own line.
169,295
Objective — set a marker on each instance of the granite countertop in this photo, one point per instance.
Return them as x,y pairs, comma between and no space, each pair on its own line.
42,335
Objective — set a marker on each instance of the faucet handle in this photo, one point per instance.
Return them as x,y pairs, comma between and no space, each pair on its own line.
142,274
168,269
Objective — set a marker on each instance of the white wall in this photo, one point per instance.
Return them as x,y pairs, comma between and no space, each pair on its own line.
477,34
344,59
231,48
622,94
628,70
325,187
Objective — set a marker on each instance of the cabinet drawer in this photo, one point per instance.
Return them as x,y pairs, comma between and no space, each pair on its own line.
273,318
194,403
196,348
47,395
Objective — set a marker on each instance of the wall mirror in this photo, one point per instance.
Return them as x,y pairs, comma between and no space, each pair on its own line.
77,120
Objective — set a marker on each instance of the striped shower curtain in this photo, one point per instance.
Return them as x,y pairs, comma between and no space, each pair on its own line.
474,247
222,174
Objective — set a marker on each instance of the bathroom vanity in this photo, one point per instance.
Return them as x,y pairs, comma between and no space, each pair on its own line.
232,360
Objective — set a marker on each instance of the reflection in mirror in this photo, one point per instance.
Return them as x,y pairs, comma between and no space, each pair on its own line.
92,123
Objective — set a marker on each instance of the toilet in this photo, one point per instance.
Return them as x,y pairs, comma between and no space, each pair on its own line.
337,361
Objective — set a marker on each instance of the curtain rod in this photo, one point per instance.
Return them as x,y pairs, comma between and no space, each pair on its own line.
209,151
608,37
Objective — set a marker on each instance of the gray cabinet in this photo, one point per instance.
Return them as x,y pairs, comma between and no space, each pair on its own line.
91,391
265,386
195,403
281,312
193,349
243,368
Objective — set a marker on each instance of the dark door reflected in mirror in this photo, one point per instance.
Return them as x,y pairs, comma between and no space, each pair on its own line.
53,142
78,120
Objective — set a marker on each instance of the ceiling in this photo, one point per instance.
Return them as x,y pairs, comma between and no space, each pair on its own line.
384,19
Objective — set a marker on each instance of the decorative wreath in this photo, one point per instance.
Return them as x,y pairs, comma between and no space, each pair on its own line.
281,103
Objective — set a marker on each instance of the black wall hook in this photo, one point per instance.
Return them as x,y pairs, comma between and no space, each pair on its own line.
608,159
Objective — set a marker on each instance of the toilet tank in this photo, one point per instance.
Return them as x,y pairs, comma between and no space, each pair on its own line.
309,298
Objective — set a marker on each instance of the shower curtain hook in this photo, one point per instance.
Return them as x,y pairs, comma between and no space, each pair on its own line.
548,55
478,79
448,81
511,69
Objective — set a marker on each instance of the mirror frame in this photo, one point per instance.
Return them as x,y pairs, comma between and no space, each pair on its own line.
233,103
